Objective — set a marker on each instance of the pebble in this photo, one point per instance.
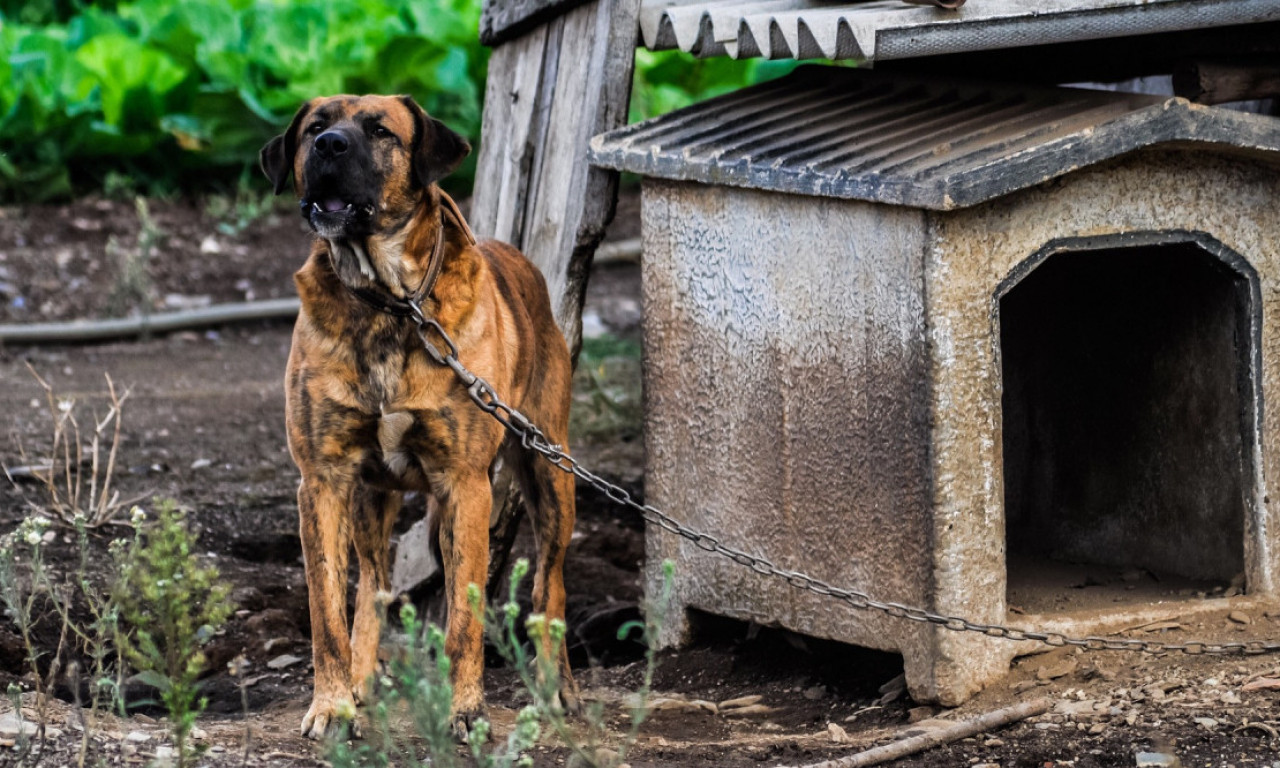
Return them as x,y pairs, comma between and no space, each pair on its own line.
11,726
1240,617
1206,722
1097,728
138,737
916,714
1061,669
815,693
283,660
993,743
1157,760
201,463
837,734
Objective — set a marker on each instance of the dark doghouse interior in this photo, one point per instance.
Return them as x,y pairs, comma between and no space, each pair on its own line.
1126,411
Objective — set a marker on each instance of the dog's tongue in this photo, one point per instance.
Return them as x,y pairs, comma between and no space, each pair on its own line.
332,205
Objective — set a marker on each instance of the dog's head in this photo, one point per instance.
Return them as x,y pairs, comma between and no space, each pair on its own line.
361,163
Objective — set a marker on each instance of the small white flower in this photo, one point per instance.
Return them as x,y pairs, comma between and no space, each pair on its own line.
137,516
66,404
33,537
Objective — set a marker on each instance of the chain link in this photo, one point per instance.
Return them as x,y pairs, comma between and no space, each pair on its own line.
534,439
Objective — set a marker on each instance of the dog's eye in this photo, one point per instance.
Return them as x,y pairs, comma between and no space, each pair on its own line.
380,132
314,128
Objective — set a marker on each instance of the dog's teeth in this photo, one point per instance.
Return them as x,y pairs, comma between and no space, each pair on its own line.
316,207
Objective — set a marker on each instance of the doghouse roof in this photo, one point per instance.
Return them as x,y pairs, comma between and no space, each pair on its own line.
907,140
888,29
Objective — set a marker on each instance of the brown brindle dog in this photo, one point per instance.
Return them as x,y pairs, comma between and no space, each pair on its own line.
370,416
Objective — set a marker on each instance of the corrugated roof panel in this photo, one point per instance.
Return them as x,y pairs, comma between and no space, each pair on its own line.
910,140
888,29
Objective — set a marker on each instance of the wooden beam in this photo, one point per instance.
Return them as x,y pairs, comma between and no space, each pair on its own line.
549,91
505,20
1222,81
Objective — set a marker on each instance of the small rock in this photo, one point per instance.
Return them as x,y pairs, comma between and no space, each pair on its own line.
993,743
1262,684
276,642
1055,671
837,734
1240,617
1157,760
916,714
199,734
1230,697
1023,686
283,660
815,693
415,559
741,701
138,737
1097,728
210,244
1047,726
201,463
1085,708
1206,722
164,753
11,726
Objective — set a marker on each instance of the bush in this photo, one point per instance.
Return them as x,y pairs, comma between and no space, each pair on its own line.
178,92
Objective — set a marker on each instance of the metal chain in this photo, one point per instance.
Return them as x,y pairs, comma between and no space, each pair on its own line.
533,439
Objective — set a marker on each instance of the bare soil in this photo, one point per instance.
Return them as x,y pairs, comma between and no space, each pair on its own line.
204,425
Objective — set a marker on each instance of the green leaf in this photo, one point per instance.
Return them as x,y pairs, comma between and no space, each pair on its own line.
152,678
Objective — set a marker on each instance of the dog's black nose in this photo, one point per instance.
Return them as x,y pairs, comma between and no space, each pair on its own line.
330,144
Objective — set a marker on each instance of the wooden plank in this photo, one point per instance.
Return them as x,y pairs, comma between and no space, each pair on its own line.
507,141
505,20
1224,81
548,93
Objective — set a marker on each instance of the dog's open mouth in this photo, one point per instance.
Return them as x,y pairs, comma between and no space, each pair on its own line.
332,216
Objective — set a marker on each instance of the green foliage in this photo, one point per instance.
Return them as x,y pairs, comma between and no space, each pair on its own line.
161,88
416,688
174,605
670,80
607,402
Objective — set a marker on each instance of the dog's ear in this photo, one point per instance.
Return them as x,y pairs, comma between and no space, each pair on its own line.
437,150
276,158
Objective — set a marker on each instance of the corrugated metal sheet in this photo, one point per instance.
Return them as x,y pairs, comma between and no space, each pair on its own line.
889,29
913,141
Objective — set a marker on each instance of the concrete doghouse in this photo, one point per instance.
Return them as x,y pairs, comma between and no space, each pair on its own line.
960,346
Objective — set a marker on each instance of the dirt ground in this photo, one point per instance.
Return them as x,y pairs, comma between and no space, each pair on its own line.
204,425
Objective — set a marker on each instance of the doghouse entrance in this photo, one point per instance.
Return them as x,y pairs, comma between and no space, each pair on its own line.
1127,422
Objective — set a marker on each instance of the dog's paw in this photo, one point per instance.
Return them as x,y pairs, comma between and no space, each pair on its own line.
327,715
570,701
462,723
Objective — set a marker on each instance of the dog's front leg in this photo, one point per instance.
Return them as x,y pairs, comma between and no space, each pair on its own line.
324,521
464,545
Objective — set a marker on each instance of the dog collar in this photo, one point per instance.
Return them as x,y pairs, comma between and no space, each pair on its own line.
382,301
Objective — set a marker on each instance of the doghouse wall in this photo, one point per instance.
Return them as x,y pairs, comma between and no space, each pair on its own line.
1232,201
786,405
1126,397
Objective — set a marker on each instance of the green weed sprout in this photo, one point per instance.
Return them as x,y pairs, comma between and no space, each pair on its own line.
540,674
416,688
174,605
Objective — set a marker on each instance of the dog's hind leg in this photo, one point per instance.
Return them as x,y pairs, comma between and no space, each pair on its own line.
373,515
548,494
